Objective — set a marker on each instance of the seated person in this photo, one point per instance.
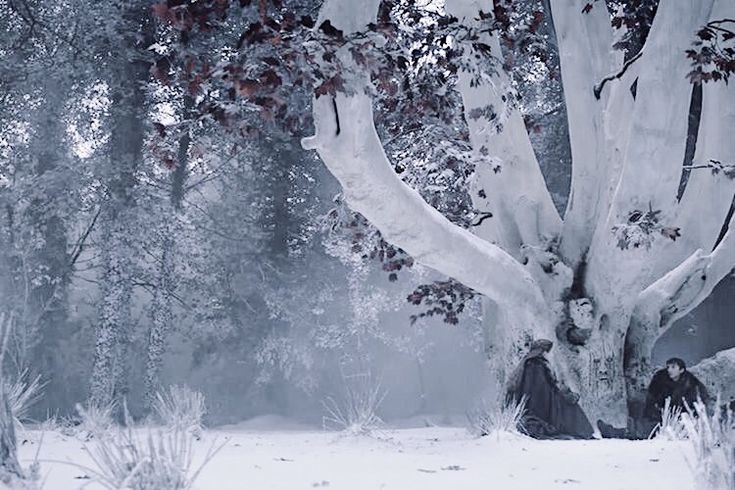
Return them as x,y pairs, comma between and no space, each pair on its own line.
552,411
673,382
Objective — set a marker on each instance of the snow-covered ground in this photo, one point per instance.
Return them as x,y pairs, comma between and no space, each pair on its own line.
258,457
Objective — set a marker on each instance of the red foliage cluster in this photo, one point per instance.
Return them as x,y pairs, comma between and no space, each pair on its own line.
280,57
368,242
444,298
713,54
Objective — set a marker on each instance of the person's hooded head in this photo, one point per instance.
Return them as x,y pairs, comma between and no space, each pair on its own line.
538,348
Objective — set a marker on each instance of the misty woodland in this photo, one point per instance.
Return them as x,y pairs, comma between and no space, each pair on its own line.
400,244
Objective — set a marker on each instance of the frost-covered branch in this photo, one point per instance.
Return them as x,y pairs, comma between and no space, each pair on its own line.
674,296
585,52
353,153
510,185
348,144
658,135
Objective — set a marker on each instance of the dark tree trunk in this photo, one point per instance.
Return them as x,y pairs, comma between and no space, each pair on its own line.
111,368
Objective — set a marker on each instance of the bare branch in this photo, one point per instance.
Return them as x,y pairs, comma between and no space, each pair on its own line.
598,88
79,246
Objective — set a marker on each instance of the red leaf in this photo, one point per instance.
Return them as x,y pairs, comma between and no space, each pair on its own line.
248,87
161,11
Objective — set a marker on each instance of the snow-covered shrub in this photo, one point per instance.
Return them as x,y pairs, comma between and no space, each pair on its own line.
12,475
96,420
22,395
671,426
711,438
356,411
180,407
496,416
53,423
156,460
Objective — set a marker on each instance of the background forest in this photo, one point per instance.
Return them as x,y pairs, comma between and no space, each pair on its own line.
146,243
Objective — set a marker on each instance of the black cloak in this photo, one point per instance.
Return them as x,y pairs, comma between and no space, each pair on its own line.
550,413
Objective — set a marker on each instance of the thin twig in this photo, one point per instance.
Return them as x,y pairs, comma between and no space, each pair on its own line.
598,88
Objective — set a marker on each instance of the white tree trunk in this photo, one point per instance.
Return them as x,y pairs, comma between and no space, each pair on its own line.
627,156
684,272
585,56
355,156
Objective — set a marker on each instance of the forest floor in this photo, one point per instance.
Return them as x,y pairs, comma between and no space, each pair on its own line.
258,457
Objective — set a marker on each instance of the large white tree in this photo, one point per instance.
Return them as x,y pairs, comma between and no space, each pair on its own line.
610,276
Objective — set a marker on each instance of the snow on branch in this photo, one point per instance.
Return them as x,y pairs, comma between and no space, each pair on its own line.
682,289
585,51
355,156
711,185
716,166
509,185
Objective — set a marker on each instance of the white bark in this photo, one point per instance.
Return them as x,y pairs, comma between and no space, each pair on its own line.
653,156
700,215
707,197
586,56
516,194
718,374
617,120
656,150
356,158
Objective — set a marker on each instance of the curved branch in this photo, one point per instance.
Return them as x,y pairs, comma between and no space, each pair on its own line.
356,158
672,297
510,185
658,136
613,76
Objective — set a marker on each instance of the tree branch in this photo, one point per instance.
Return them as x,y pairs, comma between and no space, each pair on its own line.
652,163
598,88
356,158
709,192
79,246
675,295
513,190
585,56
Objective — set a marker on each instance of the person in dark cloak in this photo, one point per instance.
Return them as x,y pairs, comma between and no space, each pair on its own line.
552,411
672,382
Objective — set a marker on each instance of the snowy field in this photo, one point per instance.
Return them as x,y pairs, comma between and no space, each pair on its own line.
258,457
